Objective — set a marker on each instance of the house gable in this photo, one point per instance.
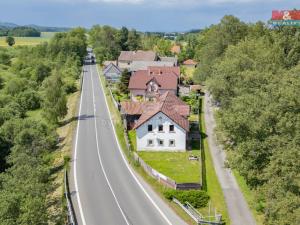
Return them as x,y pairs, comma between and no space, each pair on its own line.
161,139
111,68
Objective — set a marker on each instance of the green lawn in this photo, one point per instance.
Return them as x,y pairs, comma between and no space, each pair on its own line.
132,138
175,165
189,71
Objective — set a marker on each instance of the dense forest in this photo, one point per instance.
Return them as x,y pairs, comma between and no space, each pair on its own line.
34,79
253,73
20,32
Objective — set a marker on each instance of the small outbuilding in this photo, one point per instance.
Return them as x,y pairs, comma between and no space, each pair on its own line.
112,73
190,63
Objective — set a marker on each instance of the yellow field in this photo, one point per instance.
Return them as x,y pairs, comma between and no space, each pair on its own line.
46,36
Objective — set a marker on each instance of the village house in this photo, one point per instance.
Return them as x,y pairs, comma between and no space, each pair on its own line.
143,65
161,125
106,63
190,63
127,57
169,59
140,60
176,49
164,70
147,84
112,72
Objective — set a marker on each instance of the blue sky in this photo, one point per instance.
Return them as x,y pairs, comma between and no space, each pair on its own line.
144,15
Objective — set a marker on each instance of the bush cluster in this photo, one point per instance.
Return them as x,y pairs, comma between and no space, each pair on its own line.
197,198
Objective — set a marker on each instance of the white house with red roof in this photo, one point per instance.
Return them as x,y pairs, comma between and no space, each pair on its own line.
161,125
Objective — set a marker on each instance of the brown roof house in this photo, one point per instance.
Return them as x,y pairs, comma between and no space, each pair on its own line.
127,57
147,84
161,125
176,49
190,63
164,70
143,65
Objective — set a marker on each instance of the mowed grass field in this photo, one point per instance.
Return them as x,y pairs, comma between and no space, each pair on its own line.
45,36
175,165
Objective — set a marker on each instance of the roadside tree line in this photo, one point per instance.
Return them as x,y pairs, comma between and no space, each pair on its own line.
252,71
33,80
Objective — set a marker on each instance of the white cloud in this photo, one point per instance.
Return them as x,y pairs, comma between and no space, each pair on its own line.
118,1
171,3
184,2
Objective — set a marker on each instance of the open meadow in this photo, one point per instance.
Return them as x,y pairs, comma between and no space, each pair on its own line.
45,36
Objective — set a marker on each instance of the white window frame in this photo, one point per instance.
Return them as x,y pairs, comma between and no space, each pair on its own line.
148,143
148,128
163,143
173,143
161,131
172,131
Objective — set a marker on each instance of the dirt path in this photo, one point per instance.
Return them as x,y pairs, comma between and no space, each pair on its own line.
238,209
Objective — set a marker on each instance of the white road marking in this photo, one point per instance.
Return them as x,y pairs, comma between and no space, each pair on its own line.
75,160
125,161
99,156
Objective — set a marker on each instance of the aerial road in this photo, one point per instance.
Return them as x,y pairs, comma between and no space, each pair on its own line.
105,190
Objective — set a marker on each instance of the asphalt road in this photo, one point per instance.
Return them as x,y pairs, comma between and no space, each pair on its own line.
238,209
104,188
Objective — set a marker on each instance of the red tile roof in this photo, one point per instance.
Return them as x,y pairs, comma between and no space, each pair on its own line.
138,108
141,78
164,70
175,49
189,62
167,105
137,56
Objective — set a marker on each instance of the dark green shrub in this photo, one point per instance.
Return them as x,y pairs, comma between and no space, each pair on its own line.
197,198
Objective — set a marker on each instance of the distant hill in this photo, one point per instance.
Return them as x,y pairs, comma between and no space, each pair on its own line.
49,29
7,25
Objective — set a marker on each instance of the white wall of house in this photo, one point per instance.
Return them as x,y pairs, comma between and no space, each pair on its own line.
172,141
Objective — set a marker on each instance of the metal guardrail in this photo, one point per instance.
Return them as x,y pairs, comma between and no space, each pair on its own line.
196,216
186,210
71,219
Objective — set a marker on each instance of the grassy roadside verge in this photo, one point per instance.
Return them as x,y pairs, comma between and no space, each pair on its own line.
157,187
59,158
212,184
63,154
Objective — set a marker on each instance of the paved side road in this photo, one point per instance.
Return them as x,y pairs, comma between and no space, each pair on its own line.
105,190
238,209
